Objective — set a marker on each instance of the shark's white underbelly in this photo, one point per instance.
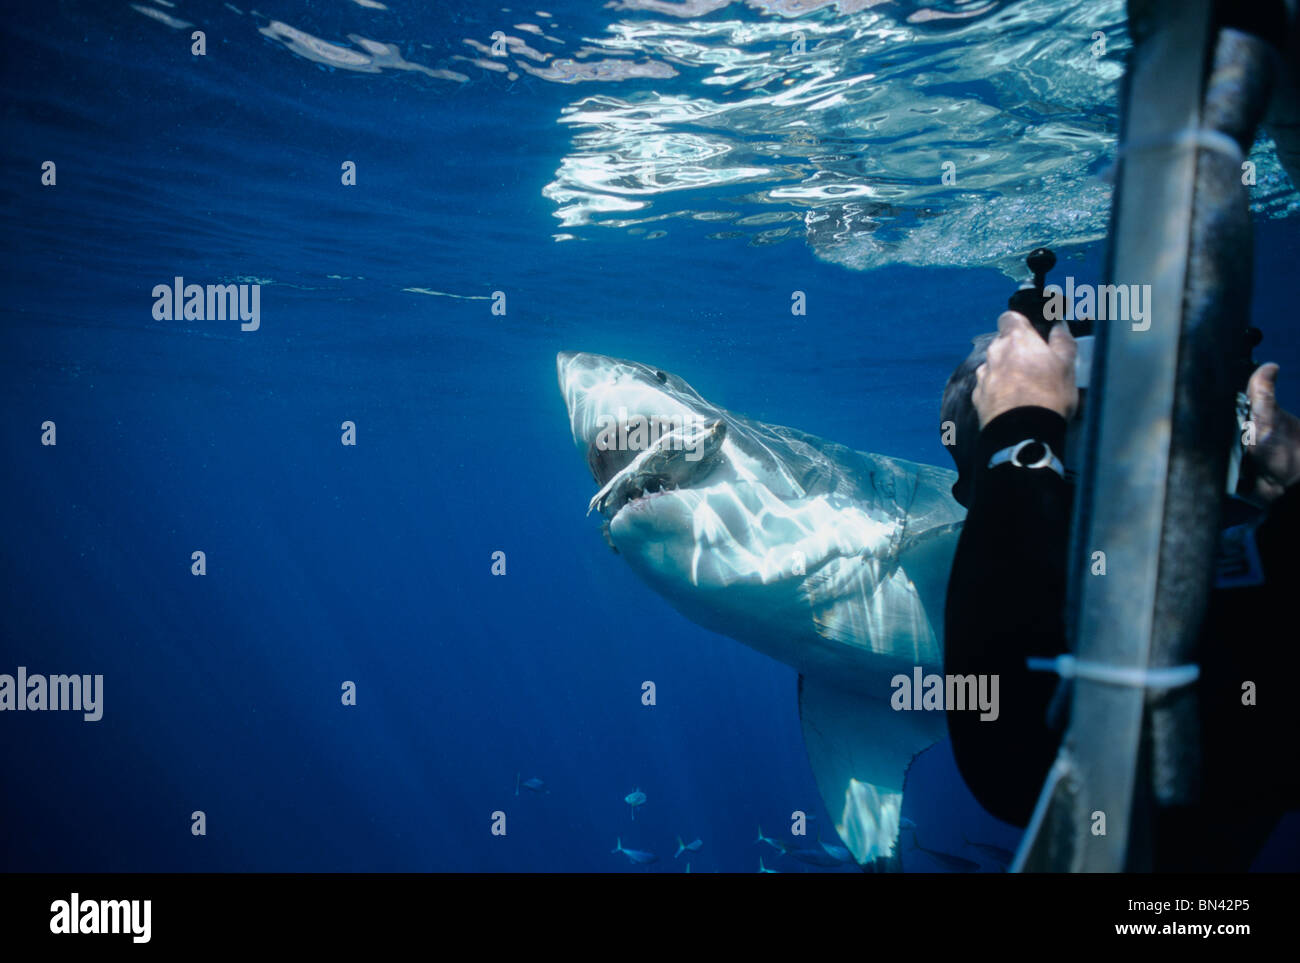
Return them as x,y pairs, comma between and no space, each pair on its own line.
817,585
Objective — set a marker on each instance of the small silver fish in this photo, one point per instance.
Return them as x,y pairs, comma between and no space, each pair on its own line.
813,857
838,853
532,785
683,847
995,853
634,855
779,846
956,864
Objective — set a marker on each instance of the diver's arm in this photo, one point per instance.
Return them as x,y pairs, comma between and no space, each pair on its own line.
1276,459
1276,538
1006,599
1275,454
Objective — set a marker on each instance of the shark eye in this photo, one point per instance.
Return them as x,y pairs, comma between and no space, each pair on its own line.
661,376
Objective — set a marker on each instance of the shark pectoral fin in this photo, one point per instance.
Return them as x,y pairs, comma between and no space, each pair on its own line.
927,560
860,749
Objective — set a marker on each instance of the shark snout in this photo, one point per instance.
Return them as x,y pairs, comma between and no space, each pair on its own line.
582,364
597,388
585,380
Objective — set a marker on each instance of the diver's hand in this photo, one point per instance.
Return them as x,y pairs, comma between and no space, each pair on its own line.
1023,370
1276,452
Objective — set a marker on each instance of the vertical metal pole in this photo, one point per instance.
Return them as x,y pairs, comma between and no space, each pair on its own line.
1124,499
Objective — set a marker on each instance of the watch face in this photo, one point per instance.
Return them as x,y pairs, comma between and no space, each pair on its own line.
1030,455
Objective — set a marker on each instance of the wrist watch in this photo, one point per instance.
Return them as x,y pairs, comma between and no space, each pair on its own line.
1029,453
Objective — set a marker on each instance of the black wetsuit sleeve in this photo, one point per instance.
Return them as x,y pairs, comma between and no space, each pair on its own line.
1006,602
1276,541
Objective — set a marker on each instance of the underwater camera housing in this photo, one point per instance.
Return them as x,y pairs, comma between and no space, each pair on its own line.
1031,301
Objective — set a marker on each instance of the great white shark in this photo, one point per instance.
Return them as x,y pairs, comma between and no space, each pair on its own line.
830,560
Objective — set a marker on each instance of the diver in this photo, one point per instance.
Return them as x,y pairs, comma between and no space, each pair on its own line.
1011,402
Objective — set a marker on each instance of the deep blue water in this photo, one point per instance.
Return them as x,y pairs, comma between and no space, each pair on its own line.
372,563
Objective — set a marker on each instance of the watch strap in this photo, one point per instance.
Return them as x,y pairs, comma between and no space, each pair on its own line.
1012,455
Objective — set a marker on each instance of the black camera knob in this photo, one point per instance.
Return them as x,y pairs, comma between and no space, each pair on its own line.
1040,261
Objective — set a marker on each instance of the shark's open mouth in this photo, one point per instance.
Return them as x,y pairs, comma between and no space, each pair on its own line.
678,460
640,489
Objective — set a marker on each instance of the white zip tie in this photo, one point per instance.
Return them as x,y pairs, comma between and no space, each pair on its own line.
1068,667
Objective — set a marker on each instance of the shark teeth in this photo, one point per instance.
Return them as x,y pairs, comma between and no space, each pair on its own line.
635,494
621,476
